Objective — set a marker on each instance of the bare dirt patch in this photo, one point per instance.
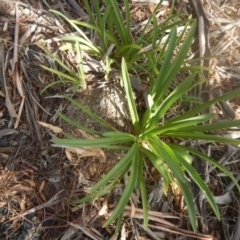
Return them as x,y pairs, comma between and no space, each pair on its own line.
107,101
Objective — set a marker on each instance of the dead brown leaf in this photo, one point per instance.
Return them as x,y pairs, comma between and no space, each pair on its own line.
54,129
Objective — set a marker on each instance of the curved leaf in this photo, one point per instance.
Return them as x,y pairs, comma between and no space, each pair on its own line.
174,126
131,184
198,180
117,168
195,111
162,149
210,160
129,94
198,136
212,127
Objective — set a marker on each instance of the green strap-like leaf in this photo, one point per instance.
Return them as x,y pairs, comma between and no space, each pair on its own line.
198,136
103,29
129,94
119,135
170,72
195,111
131,184
212,127
161,167
162,150
90,113
143,191
198,180
101,193
52,84
101,142
157,90
81,75
208,159
78,39
188,123
73,25
173,96
189,202
117,168
119,223
55,58
121,26
66,76
76,124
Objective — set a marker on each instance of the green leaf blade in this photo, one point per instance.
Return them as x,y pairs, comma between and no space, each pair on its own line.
131,184
198,180
117,168
162,149
129,94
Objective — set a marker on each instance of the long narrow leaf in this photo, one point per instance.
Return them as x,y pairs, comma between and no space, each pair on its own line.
119,134
165,66
213,126
55,58
91,46
162,149
73,25
66,76
119,223
102,142
208,159
198,109
103,28
171,71
189,202
161,167
144,203
198,136
123,48
188,123
109,36
129,94
166,104
143,190
178,92
101,193
91,114
117,168
198,180
54,83
82,81
131,184
76,124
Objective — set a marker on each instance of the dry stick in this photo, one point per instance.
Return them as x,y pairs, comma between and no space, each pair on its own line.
9,105
52,201
230,187
204,50
226,107
15,74
29,92
203,29
78,10
86,230
236,235
30,105
15,49
29,111
225,158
